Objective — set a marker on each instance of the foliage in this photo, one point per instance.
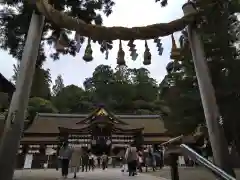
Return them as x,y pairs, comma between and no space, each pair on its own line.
41,81
41,84
58,86
122,90
180,88
38,105
16,17
72,99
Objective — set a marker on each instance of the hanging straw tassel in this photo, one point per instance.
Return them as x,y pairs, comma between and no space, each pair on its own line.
175,52
106,50
121,55
88,52
133,51
78,42
147,55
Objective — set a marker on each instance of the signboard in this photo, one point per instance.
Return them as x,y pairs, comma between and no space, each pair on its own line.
28,161
50,151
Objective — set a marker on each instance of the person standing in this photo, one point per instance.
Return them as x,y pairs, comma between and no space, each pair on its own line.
75,160
91,161
85,161
99,161
140,161
131,158
65,156
104,161
152,158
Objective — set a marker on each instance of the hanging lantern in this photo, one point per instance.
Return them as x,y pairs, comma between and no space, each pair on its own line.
175,52
121,55
134,55
62,42
59,47
88,52
147,55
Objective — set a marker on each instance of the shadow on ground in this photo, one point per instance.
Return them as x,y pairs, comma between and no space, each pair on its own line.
189,173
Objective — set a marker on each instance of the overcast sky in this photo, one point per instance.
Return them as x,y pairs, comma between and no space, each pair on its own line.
125,13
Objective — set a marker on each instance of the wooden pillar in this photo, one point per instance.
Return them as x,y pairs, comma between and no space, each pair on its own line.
138,139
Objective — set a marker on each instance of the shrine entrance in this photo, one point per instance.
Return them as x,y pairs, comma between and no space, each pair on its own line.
100,148
101,132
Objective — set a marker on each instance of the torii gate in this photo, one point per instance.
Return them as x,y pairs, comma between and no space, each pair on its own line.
14,127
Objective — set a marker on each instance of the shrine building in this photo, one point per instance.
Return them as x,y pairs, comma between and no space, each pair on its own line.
101,131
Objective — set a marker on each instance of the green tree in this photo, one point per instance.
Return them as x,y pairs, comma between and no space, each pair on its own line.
72,99
41,82
58,86
145,91
222,57
122,91
15,24
39,105
144,83
100,84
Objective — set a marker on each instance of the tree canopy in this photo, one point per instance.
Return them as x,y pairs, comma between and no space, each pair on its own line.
41,82
58,86
16,17
122,90
39,105
180,87
133,91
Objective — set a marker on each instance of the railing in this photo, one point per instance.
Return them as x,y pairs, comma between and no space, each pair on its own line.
172,140
186,150
203,161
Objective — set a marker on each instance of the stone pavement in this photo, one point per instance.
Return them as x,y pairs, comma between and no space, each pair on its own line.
98,174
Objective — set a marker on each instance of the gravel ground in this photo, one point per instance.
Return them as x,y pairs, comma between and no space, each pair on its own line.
189,173
98,174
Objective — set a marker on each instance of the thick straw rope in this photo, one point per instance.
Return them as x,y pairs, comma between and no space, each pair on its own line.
111,33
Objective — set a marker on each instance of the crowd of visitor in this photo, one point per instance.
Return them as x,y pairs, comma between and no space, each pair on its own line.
133,161
74,158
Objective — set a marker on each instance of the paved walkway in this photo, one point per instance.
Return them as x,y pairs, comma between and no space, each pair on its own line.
98,174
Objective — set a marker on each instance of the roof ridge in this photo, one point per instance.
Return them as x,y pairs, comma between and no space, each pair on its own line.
133,116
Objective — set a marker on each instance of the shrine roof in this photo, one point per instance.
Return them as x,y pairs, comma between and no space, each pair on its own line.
6,85
39,139
50,123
